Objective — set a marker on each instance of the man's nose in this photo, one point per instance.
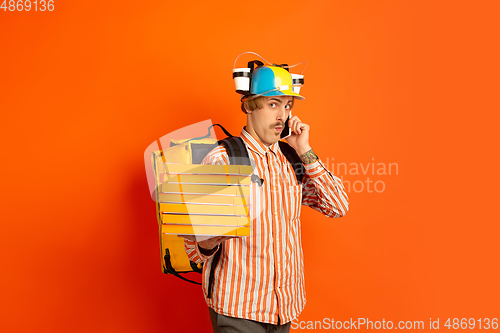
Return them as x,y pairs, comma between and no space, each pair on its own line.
282,114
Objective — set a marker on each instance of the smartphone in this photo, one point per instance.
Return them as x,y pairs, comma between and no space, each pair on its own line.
287,131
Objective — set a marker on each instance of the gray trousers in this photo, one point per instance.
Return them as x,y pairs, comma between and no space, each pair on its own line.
226,324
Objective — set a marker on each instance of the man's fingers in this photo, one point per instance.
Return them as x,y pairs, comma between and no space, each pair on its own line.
303,127
297,127
293,121
216,239
189,237
224,238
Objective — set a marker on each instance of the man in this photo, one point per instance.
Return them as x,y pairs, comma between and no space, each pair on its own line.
259,281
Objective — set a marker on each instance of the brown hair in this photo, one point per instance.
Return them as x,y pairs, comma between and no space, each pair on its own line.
252,104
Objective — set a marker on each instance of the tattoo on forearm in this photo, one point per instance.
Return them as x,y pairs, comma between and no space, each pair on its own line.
308,157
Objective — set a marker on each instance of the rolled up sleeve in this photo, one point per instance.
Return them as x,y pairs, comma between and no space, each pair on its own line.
323,191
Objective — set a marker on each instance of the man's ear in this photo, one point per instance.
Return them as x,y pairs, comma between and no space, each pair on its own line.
244,109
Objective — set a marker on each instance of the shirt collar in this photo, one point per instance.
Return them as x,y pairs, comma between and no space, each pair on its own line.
257,146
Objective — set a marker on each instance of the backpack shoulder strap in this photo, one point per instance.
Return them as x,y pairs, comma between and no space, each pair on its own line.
211,277
294,159
236,149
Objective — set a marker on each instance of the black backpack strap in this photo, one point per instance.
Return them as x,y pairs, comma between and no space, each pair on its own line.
170,270
294,159
208,135
236,149
212,272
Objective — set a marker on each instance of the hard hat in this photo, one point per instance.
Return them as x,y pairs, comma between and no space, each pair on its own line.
272,81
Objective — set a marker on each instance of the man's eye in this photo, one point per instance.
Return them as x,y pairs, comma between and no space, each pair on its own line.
272,105
288,106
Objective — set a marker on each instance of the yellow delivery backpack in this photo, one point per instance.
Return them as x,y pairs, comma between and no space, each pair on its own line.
194,199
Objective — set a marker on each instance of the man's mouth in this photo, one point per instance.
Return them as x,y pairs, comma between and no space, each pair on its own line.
279,128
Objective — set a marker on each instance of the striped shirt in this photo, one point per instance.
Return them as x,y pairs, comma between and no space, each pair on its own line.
260,277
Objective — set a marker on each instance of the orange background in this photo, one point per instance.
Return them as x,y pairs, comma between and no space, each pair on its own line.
86,88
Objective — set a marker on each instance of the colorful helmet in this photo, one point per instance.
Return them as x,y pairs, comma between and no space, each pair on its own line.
272,81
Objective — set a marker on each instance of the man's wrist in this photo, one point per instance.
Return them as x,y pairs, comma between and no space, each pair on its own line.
308,156
303,149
